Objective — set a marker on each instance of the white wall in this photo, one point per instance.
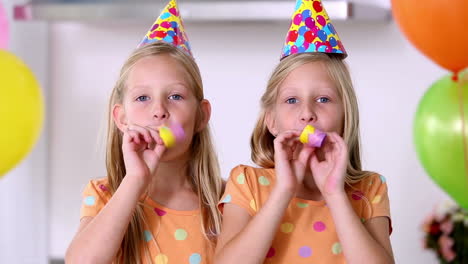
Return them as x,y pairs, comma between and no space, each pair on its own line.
235,60
23,191
390,78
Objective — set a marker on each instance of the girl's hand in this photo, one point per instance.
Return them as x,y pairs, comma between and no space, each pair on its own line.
291,158
330,173
142,149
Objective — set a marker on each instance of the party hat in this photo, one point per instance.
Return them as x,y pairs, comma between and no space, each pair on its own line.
312,31
169,28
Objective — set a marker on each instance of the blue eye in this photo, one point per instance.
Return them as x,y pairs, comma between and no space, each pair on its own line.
323,100
291,101
142,98
175,97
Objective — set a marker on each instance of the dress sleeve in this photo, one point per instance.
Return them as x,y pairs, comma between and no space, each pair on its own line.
95,196
240,190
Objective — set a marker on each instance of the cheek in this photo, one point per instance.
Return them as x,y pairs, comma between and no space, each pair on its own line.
186,117
339,122
182,148
134,113
285,121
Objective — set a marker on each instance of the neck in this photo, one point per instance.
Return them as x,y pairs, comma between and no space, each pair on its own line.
170,176
308,189
309,182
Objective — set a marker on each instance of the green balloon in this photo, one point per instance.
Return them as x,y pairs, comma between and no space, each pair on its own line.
438,136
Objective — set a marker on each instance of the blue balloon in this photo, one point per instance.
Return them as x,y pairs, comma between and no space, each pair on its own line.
322,48
286,50
168,39
305,14
302,30
331,28
171,33
302,49
327,30
165,15
300,41
333,42
174,24
311,48
298,4
322,35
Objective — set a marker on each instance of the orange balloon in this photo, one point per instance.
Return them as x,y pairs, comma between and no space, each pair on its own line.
438,28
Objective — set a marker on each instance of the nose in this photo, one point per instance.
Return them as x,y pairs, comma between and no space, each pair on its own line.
160,111
308,114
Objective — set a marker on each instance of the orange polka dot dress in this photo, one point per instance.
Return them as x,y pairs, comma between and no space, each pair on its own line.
307,233
172,236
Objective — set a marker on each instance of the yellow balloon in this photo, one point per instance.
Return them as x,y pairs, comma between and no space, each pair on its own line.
21,111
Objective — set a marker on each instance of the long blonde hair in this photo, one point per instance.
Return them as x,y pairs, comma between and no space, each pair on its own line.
262,140
203,167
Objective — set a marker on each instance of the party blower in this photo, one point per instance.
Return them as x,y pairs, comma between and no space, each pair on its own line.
171,134
312,137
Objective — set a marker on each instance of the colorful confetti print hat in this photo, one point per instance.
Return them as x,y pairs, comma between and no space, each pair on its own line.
312,31
169,28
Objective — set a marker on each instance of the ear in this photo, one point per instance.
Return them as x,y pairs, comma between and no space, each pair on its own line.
205,107
271,122
118,114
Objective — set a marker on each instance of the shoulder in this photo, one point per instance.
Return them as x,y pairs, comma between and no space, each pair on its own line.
99,183
249,173
373,187
98,188
246,169
95,195
371,181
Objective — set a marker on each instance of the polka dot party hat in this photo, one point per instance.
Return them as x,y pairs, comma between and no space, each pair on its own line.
311,31
169,28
